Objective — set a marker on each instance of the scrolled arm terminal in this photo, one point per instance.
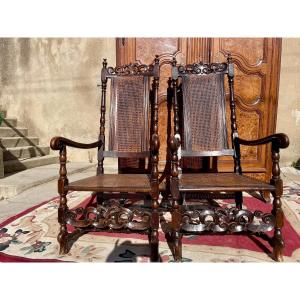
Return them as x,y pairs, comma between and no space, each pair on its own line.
278,140
58,142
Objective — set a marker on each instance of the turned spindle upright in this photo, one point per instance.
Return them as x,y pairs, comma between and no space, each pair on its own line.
155,143
63,208
277,206
234,131
174,144
100,168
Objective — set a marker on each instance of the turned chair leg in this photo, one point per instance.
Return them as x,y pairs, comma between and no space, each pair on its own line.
176,236
154,242
177,244
239,200
62,237
99,199
278,242
153,234
278,238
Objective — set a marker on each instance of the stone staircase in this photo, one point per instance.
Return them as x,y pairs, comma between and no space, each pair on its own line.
20,151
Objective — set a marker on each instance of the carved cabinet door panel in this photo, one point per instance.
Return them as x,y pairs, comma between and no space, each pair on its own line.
257,67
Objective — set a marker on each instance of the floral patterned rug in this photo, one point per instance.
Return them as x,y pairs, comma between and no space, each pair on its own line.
31,237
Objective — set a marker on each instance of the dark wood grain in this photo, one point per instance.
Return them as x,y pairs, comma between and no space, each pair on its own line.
113,183
221,182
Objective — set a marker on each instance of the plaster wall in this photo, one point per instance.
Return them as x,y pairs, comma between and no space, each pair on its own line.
50,86
288,116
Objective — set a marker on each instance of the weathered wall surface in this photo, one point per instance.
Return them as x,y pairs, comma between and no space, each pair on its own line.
50,85
288,118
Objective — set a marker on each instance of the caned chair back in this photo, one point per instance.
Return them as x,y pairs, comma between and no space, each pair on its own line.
201,87
130,115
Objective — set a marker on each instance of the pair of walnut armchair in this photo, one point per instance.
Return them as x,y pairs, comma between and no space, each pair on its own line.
133,134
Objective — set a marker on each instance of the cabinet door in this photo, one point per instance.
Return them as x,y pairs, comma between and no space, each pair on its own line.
257,67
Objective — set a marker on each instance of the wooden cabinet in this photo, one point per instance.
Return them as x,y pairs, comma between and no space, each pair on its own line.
257,69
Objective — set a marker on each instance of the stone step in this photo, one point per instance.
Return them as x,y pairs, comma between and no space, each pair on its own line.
9,123
25,152
10,142
10,132
20,165
3,113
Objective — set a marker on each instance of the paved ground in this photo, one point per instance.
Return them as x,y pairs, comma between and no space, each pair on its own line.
290,174
15,183
48,190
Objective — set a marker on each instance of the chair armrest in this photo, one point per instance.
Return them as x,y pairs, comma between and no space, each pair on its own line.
58,142
279,140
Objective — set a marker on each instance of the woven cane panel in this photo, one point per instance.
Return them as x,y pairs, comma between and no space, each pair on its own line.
129,114
204,113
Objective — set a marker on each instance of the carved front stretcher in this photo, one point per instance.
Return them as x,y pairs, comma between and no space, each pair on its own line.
111,217
229,220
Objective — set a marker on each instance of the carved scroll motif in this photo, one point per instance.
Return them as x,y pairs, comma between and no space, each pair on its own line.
202,68
131,69
113,217
227,219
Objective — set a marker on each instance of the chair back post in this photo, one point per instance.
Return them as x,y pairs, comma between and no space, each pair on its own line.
174,144
100,169
154,146
169,112
167,170
155,143
177,132
175,100
63,208
234,131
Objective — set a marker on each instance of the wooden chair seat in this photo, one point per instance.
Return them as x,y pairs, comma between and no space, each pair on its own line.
137,183
226,182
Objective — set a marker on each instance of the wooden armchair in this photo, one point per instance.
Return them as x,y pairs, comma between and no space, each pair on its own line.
205,135
133,114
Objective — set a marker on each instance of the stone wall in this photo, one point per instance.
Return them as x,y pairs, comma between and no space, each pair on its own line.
50,85
288,117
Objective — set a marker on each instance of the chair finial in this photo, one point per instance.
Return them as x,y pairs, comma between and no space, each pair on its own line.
156,59
174,62
229,58
104,63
